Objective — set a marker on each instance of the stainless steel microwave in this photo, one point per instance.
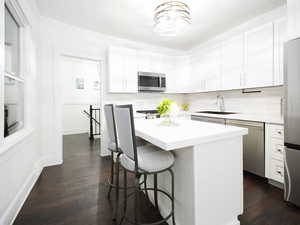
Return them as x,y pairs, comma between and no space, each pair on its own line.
151,82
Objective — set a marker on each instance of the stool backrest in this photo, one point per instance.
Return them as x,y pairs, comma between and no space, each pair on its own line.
126,131
111,123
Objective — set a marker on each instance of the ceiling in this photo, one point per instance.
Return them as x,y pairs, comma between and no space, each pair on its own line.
133,19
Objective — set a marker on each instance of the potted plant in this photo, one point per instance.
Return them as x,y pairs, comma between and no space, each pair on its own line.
167,109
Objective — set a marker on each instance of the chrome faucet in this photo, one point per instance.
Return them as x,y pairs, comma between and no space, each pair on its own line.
220,103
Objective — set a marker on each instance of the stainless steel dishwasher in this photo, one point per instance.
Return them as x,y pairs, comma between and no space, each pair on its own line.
254,146
208,119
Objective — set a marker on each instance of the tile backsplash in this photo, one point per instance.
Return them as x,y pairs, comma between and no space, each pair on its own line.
267,102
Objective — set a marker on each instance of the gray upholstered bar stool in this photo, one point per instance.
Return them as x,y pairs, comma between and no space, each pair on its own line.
144,160
113,147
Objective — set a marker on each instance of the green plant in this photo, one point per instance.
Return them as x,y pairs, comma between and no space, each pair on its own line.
185,107
165,106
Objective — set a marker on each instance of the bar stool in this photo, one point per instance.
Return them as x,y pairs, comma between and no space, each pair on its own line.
144,160
113,147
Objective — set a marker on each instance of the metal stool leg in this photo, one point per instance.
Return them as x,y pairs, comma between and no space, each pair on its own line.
145,186
116,208
125,191
125,197
136,199
111,175
173,199
155,190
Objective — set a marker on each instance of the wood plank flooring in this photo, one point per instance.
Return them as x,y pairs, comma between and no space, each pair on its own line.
75,194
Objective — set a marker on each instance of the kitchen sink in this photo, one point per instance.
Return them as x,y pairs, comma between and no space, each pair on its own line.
217,112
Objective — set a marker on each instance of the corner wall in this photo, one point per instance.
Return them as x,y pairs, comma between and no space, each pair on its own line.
21,161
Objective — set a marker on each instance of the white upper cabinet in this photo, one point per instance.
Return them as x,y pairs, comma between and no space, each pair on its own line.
210,71
259,49
179,75
151,62
196,83
251,59
205,70
280,37
122,68
232,63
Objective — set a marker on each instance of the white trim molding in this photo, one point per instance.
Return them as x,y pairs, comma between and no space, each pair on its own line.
16,204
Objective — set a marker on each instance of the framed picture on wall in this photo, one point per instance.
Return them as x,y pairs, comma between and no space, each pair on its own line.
80,83
96,85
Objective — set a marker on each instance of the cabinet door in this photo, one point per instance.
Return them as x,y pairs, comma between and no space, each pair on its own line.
196,74
280,37
115,70
259,57
130,71
232,62
122,66
144,62
211,69
178,77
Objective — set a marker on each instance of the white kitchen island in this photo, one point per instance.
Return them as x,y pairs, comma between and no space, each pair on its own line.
208,170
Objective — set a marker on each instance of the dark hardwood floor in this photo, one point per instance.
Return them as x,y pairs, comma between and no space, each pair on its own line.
75,194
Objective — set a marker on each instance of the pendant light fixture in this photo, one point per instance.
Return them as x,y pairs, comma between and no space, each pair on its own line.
171,18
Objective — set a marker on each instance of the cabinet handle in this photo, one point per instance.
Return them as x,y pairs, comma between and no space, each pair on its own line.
279,132
241,74
279,150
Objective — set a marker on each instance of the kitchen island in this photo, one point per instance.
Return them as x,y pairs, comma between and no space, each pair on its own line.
208,169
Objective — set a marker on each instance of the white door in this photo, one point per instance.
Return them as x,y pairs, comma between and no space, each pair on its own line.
80,83
259,57
232,62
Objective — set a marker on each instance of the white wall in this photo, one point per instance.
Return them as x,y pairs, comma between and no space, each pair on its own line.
293,8
62,39
20,158
75,100
266,103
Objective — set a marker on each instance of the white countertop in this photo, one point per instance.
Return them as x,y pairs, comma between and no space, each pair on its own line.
186,133
247,117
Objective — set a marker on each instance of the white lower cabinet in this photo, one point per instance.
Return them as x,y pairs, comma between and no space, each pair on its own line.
274,152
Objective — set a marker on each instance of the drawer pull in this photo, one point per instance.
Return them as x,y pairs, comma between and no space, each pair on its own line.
279,150
279,132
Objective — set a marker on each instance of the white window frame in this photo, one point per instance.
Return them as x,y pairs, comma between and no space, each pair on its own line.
24,28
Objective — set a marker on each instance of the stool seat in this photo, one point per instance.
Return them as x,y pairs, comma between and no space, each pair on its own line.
151,159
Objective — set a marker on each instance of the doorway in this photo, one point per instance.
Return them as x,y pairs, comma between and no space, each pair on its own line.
80,84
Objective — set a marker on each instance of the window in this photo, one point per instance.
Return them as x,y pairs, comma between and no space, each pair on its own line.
13,79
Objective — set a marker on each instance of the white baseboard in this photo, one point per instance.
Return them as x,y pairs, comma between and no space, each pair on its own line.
16,204
51,161
75,132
